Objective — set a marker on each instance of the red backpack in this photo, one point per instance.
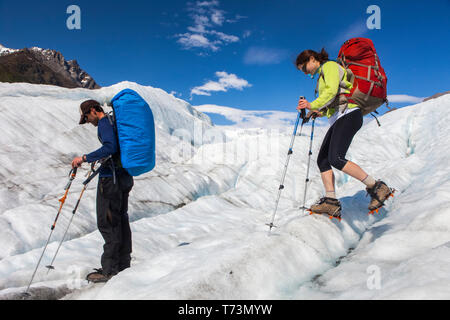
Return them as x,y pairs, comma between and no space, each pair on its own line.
369,85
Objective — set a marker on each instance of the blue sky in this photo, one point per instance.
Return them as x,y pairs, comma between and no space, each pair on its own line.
237,54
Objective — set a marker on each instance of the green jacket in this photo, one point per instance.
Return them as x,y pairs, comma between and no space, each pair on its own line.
332,81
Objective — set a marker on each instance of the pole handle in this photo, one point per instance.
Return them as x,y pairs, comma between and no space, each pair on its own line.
302,111
92,176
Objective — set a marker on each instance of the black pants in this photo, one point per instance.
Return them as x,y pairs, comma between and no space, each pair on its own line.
113,223
337,141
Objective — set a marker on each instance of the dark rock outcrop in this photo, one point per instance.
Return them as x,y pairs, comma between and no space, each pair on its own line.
39,66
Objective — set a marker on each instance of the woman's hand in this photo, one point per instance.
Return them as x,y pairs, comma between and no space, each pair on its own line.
314,114
303,104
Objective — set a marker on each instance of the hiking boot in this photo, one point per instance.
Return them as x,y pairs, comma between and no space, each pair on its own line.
329,206
98,276
379,193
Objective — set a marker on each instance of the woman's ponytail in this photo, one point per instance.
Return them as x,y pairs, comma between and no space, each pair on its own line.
304,57
322,56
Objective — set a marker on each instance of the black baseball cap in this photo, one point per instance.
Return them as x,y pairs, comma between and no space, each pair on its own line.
85,108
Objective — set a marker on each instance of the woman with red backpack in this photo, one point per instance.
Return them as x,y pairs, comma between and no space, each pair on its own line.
345,118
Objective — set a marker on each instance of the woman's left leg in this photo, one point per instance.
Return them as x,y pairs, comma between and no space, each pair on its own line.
346,128
352,169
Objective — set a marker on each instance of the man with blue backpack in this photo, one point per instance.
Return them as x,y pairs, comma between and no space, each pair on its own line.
128,149
114,186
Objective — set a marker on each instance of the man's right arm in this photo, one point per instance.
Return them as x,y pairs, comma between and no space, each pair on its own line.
109,144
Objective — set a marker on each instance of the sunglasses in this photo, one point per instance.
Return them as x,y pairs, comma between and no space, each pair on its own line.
304,67
85,115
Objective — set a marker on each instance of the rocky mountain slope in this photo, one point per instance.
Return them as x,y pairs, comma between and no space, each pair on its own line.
42,66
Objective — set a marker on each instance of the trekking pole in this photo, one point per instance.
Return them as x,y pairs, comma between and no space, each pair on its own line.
50,267
309,161
72,175
281,187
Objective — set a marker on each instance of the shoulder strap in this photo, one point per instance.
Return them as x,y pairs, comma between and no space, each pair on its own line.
116,157
316,91
110,116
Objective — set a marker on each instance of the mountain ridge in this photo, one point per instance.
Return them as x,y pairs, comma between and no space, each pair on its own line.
42,66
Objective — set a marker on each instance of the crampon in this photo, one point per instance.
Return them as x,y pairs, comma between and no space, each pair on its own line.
337,217
372,212
329,206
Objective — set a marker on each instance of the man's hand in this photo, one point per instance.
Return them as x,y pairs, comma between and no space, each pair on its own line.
303,104
77,161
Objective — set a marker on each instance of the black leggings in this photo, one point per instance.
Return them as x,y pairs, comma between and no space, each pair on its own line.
338,140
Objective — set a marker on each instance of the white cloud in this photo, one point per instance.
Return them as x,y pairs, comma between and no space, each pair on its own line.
207,3
262,56
226,81
218,17
225,37
269,119
236,19
202,35
399,98
200,24
189,40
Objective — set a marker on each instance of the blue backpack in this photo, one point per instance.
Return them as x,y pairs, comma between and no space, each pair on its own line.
135,129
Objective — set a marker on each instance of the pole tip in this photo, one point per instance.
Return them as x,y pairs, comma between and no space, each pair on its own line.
271,225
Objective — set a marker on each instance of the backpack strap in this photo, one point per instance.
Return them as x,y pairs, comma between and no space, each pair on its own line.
115,159
316,91
110,116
